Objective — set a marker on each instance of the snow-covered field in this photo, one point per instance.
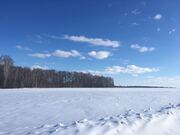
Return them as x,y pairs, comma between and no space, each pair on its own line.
90,112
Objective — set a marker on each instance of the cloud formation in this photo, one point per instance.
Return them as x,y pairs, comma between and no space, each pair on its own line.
172,31
135,12
158,17
130,69
99,55
40,55
66,54
39,67
94,41
23,48
58,53
142,49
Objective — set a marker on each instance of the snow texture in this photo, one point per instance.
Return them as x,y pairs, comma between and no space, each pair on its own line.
90,112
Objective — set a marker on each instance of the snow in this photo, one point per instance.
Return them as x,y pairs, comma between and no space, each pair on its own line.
98,111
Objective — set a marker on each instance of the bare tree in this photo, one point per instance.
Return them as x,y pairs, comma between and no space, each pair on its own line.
6,61
20,77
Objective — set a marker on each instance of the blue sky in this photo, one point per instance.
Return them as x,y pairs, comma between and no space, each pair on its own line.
136,42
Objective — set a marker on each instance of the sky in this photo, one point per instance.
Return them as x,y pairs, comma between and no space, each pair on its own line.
135,42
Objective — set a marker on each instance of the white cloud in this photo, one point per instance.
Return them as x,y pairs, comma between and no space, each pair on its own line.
39,67
135,12
172,31
66,54
94,41
158,17
130,69
40,55
23,48
99,55
142,49
58,53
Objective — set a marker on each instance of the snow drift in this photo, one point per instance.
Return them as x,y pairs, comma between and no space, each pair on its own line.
90,112
166,121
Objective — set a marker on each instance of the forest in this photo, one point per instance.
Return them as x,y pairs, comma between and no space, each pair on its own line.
12,76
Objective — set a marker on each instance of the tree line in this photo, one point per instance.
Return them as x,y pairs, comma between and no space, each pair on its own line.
12,76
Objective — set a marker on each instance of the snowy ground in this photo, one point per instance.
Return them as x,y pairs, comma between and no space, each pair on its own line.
90,112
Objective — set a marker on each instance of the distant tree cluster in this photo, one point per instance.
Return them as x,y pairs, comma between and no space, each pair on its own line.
19,77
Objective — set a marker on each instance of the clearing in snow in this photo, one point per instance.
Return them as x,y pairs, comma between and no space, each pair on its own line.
109,111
